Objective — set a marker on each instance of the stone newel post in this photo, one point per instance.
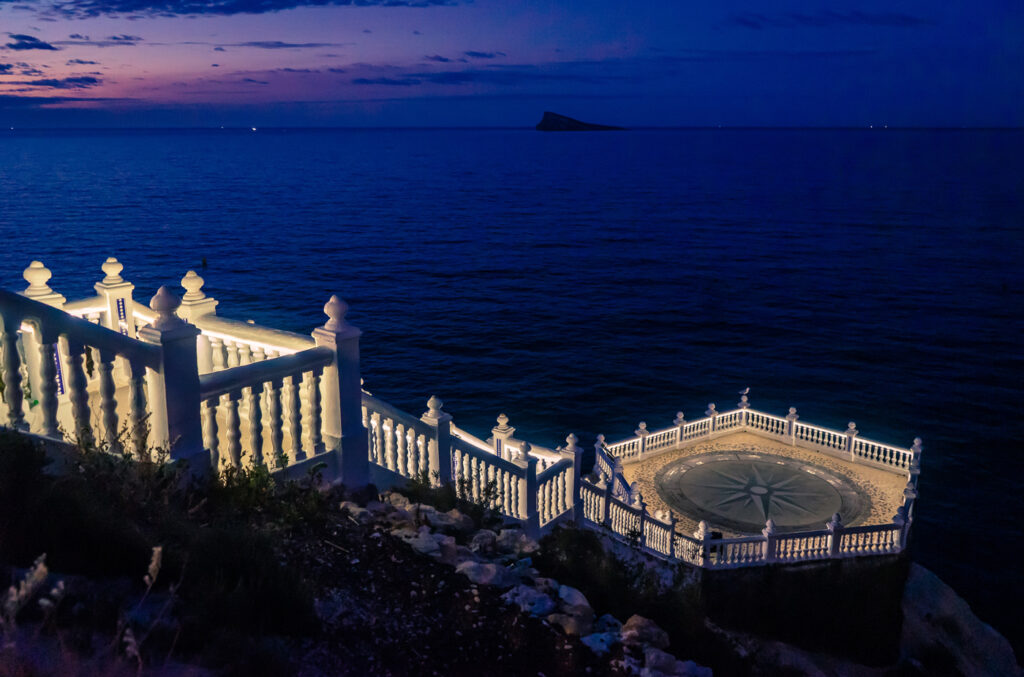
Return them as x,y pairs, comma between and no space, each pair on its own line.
769,547
792,417
703,534
343,395
531,525
117,292
575,495
174,387
851,432
743,405
501,434
712,413
835,535
642,432
680,423
37,275
441,451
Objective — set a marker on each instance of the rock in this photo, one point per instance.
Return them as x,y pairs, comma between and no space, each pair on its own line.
351,508
942,635
548,586
601,642
424,542
529,600
553,122
397,500
447,549
643,631
572,597
463,523
462,554
484,573
571,625
514,541
607,623
422,511
483,541
656,659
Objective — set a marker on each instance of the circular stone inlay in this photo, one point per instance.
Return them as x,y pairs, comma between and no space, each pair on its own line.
741,492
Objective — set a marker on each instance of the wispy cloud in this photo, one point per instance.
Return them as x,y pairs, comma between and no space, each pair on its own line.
278,44
79,9
81,62
110,41
78,82
26,42
483,55
827,19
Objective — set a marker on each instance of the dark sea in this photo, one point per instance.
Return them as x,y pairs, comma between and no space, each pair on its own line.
585,282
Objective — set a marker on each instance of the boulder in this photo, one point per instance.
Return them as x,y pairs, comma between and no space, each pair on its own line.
397,500
351,508
571,625
452,521
529,600
483,541
484,573
643,631
607,623
514,541
447,549
942,634
601,642
548,586
571,597
656,659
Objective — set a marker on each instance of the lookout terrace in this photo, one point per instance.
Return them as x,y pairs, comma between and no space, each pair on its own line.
729,489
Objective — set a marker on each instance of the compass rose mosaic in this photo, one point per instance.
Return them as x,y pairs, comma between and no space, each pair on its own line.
741,491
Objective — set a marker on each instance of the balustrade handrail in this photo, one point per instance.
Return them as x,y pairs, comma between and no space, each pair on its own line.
92,304
554,470
489,458
379,406
470,438
20,308
233,379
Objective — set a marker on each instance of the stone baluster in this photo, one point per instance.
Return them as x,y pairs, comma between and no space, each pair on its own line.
232,348
137,416
378,438
343,394
673,521
174,386
244,354
211,438
401,450
441,447
423,457
390,453
108,403
218,358
679,423
233,432
79,395
500,435
252,396
791,418
851,432
13,394
609,494
712,413
273,397
768,552
48,381
204,354
258,354
313,400
294,418
642,432
835,535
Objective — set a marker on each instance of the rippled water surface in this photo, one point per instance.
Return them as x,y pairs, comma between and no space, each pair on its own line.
584,282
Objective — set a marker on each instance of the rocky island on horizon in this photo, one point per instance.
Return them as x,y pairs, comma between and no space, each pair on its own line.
553,122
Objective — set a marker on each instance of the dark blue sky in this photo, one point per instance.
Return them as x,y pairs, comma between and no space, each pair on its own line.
496,63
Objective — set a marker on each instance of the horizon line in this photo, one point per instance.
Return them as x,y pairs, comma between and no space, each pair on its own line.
882,127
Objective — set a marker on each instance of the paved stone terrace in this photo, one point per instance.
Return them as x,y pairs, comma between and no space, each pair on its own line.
885,489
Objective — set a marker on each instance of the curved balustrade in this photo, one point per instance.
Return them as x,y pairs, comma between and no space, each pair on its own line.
486,478
554,486
398,441
816,436
799,547
773,426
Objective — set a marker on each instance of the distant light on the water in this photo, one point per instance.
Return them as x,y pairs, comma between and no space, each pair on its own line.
254,129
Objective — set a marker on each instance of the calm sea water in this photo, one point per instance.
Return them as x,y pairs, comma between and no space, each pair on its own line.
584,282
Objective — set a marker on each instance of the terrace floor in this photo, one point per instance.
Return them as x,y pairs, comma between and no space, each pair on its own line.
737,481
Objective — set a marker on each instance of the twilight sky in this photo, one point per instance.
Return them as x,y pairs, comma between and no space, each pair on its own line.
68,63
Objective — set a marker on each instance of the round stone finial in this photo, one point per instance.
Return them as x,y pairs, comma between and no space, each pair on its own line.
910,492
792,416
680,419
502,420
769,527
900,518
834,523
711,409
918,445
37,275
524,451
164,303
600,440
641,429
744,402
112,270
336,310
193,285
434,405
570,442
703,529
851,427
